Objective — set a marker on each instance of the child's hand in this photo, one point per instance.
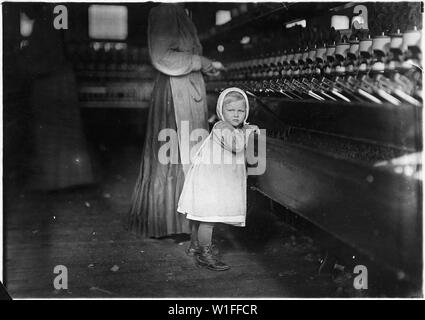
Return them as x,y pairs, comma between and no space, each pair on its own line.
253,128
221,125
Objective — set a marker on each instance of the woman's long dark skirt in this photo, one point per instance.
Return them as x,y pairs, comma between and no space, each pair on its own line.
153,211
61,158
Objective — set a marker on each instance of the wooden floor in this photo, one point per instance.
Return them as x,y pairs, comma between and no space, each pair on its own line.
83,230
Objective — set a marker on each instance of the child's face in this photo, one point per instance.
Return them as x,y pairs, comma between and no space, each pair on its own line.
234,112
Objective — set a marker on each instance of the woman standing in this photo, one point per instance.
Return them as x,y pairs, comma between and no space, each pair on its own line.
60,154
178,99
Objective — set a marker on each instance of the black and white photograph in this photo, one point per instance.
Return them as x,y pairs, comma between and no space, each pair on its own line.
212,150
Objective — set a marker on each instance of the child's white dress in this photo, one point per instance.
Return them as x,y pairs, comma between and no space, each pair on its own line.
214,189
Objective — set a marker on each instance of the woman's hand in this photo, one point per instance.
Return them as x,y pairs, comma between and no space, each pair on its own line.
218,65
213,73
211,68
206,65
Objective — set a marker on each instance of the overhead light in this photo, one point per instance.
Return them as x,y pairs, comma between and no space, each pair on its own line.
120,46
245,40
220,48
108,46
96,46
24,43
302,23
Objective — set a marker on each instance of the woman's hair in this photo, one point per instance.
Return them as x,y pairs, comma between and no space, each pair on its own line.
232,97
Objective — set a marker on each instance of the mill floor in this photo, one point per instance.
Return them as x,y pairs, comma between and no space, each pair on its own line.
83,230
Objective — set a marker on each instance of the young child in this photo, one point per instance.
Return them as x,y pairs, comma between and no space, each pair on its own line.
215,188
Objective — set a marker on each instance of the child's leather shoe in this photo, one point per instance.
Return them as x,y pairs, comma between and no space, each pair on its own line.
206,259
193,249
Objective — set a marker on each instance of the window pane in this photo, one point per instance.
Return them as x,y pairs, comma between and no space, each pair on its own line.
26,25
340,22
222,16
108,22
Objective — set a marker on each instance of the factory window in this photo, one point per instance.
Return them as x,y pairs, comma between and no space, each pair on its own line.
301,23
340,22
222,17
108,22
26,25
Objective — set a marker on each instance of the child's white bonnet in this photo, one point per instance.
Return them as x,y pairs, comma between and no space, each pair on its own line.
220,101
